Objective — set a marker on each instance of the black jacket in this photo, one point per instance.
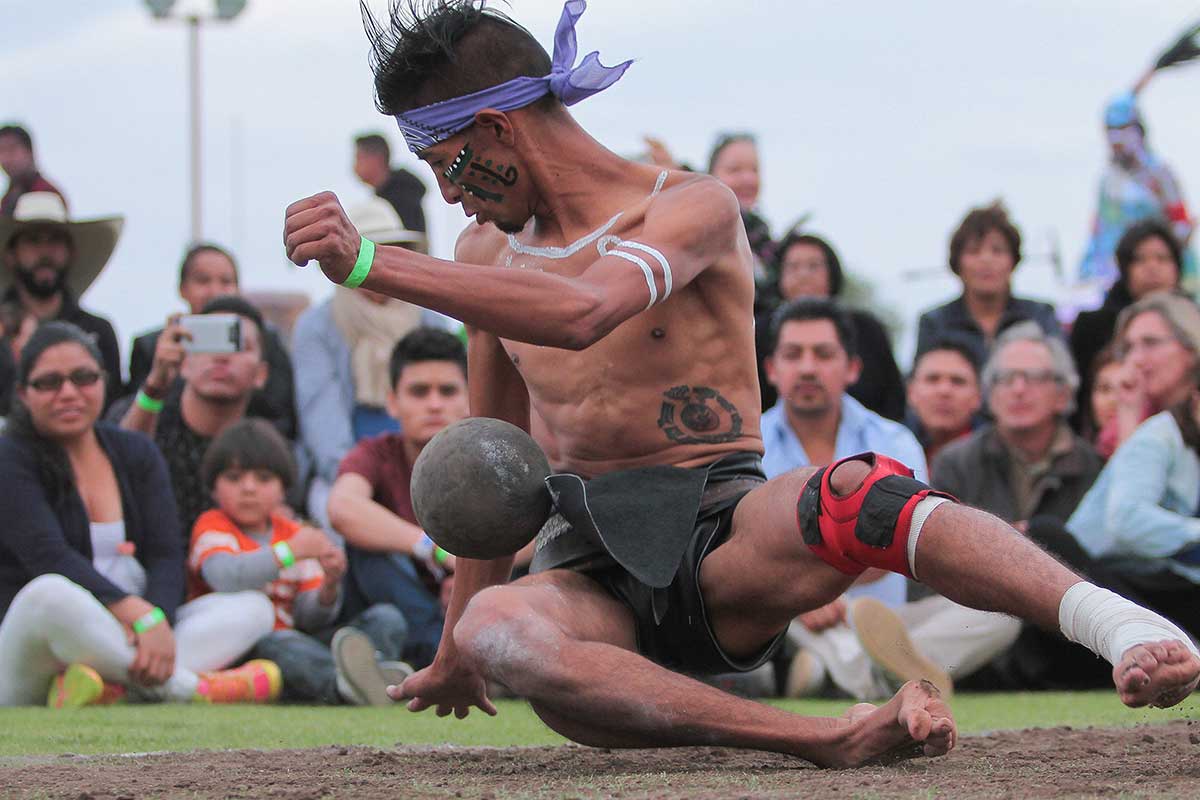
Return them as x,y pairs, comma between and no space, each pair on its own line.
44,535
404,191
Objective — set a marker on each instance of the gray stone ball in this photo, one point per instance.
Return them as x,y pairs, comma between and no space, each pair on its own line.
478,488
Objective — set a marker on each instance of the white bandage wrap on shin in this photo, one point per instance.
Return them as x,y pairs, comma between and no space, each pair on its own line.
919,515
1108,624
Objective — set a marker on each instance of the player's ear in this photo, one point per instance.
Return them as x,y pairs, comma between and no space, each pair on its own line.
496,123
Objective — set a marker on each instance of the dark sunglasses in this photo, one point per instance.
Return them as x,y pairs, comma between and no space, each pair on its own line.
53,381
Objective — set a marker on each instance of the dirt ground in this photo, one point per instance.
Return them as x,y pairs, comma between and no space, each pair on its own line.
1161,761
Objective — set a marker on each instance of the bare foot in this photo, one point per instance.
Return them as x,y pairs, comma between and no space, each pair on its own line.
1157,674
915,722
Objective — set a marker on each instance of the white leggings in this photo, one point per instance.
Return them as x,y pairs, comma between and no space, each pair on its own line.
53,622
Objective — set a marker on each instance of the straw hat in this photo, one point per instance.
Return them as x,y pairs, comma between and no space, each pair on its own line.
93,239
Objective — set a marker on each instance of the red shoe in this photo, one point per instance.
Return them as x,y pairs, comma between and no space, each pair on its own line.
257,681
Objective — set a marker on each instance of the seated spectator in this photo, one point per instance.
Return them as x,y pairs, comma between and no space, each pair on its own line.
984,251
814,358
1139,520
184,416
342,381
809,267
246,545
1105,380
1028,462
1149,259
19,164
391,558
51,260
1158,342
943,395
91,565
207,272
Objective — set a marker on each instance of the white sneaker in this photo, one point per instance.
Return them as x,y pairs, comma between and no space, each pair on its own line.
361,679
885,639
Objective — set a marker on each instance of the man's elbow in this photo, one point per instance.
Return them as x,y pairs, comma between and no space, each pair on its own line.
591,322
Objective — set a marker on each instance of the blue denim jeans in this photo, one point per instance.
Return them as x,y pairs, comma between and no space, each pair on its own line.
306,662
374,578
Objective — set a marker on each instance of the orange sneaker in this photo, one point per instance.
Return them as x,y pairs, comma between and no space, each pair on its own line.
79,685
257,681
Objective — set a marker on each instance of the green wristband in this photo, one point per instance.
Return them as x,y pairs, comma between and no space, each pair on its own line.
362,267
147,403
440,555
283,552
148,620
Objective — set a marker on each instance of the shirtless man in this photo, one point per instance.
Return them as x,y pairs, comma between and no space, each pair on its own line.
612,304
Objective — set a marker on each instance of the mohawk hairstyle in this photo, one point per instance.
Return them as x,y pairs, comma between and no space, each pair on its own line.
428,51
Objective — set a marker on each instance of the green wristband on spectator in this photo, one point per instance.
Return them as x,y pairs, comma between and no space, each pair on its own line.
362,267
147,403
283,552
148,620
439,555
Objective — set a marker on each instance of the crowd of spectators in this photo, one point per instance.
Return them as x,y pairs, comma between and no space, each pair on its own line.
232,521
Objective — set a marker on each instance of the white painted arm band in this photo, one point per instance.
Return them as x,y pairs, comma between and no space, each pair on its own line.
609,247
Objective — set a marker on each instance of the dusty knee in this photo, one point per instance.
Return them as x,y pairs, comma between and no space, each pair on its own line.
506,636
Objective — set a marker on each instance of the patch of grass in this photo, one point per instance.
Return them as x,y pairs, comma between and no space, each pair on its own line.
148,728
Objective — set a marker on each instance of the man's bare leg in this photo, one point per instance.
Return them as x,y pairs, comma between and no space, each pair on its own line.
967,555
566,645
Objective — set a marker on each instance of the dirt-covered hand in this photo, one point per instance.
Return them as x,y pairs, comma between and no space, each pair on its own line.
450,686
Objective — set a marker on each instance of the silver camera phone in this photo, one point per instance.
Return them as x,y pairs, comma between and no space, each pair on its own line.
212,333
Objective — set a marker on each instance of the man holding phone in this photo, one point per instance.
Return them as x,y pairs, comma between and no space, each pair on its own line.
219,356
209,271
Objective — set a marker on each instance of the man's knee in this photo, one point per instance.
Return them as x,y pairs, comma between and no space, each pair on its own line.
847,476
506,636
865,511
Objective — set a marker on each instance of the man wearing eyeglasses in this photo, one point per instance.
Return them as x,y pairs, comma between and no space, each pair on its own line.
1028,462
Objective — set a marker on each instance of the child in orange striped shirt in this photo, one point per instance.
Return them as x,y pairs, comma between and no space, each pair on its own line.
247,543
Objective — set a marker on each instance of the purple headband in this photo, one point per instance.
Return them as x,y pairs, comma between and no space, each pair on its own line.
426,126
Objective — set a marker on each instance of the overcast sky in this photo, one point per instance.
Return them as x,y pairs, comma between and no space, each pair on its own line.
885,120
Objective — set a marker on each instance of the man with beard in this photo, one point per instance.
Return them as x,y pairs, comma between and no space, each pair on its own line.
50,260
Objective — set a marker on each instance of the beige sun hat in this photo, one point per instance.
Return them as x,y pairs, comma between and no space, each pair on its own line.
94,239
378,221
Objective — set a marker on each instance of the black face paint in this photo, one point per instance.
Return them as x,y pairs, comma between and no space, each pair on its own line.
468,174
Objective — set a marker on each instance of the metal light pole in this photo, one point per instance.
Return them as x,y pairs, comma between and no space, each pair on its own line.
223,11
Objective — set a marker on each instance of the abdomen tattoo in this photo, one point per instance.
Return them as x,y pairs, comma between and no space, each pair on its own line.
698,415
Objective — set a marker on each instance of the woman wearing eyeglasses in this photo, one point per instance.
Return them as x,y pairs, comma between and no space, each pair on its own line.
91,567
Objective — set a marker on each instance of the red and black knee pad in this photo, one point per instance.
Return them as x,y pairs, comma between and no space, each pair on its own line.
868,527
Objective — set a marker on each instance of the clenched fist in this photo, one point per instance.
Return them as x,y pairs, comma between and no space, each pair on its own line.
316,228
